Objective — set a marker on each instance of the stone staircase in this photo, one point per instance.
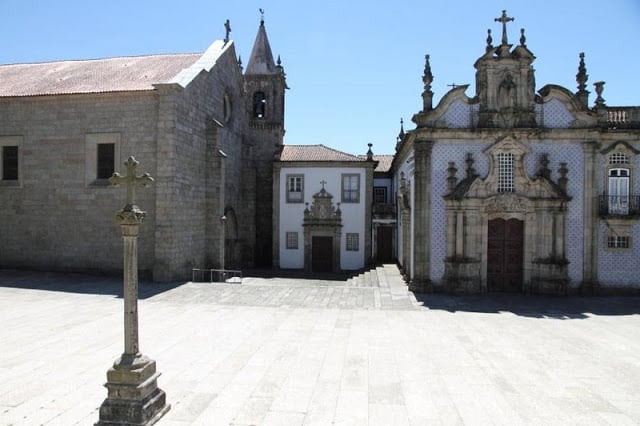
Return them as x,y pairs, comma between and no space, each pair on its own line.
385,276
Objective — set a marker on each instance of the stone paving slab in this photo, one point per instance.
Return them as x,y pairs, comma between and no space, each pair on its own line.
314,353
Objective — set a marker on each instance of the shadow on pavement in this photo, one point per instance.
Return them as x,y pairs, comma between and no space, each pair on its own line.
78,283
534,306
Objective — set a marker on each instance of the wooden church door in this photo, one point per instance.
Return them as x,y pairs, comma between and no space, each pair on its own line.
505,255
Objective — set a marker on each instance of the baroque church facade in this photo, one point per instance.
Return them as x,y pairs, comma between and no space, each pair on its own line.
513,189
200,125
518,190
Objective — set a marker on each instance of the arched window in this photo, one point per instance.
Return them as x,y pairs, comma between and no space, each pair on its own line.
259,105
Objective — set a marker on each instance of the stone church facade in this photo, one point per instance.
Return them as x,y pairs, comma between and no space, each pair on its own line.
514,189
204,129
517,190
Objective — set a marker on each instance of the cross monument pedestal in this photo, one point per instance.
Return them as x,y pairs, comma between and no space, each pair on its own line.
133,396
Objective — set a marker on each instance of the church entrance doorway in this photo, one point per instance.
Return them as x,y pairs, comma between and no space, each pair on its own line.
322,254
384,244
505,255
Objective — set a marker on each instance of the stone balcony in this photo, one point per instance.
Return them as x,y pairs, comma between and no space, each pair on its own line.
620,118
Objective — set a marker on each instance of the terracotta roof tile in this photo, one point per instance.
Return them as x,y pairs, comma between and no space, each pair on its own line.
384,162
92,76
315,153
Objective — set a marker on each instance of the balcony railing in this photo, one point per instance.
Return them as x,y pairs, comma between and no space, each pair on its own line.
380,209
619,205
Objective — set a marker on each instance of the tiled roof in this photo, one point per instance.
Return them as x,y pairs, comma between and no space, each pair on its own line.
384,162
315,153
92,76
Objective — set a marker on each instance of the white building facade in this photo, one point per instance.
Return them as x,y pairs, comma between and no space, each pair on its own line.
322,209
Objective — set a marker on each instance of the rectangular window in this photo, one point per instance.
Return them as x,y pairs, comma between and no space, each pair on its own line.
295,188
380,195
350,188
353,242
619,241
292,240
106,156
9,163
505,172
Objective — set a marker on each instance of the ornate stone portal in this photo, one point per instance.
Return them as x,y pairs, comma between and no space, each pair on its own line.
322,228
507,193
133,395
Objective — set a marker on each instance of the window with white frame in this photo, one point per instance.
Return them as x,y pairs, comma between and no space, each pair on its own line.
505,172
295,188
618,191
350,188
353,241
292,240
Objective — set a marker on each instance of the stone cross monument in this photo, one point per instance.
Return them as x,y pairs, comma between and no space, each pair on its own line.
133,395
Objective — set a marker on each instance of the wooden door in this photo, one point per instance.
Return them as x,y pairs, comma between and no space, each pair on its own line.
384,244
322,254
505,255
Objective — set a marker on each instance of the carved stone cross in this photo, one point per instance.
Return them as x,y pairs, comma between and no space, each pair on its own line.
131,181
323,183
504,19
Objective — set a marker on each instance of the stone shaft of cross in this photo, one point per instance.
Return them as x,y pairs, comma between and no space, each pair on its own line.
130,219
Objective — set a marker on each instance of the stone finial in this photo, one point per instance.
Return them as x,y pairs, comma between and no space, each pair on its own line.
489,40
544,171
504,19
369,152
581,79
599,89
471,171
240,63
523,39
563,180
401,134
452,180
427,79
261,16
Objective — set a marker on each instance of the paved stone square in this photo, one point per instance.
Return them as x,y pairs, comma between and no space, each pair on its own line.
312,352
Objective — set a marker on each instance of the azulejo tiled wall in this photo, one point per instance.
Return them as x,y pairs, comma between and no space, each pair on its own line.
443,153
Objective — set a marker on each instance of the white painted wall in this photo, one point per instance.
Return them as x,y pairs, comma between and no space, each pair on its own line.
292,214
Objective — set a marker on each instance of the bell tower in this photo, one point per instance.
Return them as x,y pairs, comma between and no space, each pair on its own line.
265,85
505,82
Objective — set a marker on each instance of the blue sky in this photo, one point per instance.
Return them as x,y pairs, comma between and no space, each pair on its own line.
354,67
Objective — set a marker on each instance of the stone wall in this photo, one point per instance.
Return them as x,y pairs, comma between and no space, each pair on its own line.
191,176
57,219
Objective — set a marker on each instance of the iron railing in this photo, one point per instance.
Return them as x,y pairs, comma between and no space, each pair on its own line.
619,205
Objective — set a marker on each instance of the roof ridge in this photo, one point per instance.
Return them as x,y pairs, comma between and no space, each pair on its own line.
102,59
